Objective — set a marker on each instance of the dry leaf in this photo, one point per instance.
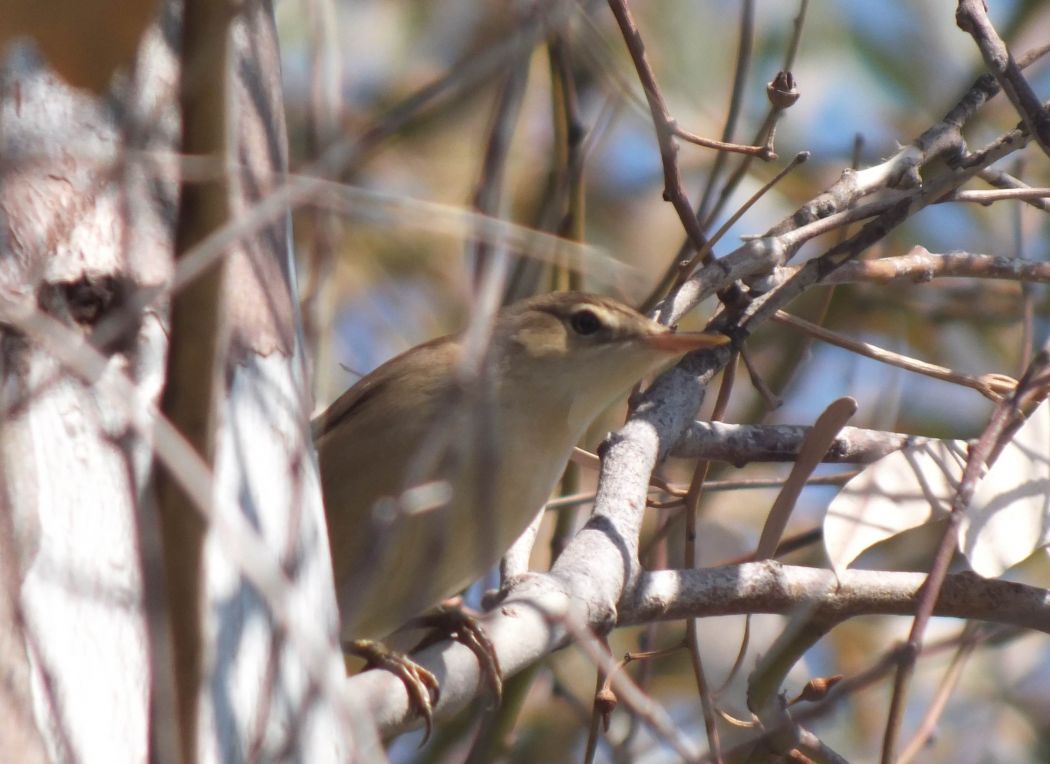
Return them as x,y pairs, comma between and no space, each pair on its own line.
1009,516
901,491
813,448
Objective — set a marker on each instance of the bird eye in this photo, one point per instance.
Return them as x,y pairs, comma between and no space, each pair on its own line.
585,322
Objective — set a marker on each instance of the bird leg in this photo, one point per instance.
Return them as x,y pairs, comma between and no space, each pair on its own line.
419,683
453,620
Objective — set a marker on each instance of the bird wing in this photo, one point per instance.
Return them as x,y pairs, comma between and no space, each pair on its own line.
391,378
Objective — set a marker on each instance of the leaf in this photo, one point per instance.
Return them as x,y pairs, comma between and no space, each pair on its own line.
900,491
1009,516
816,444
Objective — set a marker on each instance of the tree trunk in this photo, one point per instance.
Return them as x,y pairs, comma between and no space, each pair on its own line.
88,192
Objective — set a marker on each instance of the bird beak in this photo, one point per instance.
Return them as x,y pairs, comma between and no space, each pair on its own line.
683,342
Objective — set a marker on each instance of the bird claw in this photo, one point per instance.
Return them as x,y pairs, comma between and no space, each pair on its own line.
456,622
420,684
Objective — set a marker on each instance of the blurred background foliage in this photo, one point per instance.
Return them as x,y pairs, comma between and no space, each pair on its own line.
394,269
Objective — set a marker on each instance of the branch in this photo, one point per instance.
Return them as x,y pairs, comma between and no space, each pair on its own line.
1005,180
992,386
741,444
900,171
817,269
920,265
531,622
972,18
194,387
986,198
769,587
1003,424
667,129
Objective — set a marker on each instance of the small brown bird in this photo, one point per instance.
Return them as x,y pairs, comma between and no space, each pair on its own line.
430,475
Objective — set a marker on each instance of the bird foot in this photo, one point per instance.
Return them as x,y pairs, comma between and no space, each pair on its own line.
420,684
453,620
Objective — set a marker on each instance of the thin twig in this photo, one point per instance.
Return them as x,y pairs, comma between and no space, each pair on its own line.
1005,418
745,46
988,197
594,729
763,133
692,511
488,192
928,726
992,386
1001,179
666,128
704,254
762,136
648,710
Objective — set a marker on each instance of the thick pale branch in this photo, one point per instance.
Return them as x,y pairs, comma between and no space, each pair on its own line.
920,265
532,621
769,587
740,444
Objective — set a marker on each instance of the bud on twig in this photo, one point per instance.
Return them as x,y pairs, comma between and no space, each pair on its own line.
782,91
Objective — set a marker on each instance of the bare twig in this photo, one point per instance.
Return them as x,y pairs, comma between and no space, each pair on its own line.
920,265
692,512
704,254
763,135
928,726
771,587
843,688
323,119
817,269
900,171
594,728
667,129
652,714
736,96
972,17
1002,179
1006,417
764,132
488,192
992,386
988,197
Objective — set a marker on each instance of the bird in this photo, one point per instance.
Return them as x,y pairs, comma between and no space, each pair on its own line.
432,465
